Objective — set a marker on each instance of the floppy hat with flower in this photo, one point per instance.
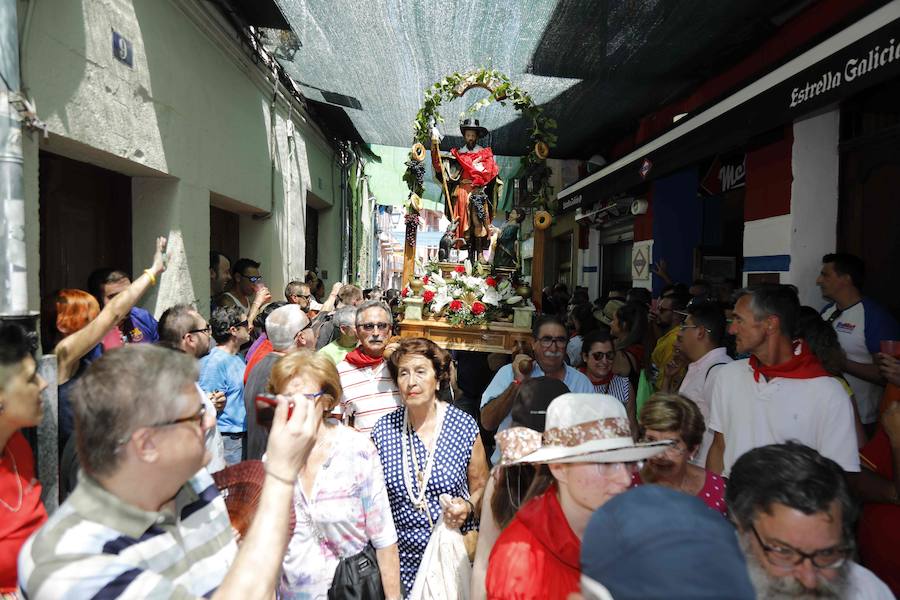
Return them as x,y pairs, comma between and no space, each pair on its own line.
590,428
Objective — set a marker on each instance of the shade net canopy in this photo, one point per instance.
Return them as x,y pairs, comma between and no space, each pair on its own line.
596,65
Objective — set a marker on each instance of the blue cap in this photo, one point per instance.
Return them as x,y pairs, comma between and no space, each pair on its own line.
655,542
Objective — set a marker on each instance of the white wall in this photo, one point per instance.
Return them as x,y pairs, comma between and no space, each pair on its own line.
815,165
192,117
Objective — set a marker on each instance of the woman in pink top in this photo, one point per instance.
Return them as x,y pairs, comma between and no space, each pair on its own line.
674,417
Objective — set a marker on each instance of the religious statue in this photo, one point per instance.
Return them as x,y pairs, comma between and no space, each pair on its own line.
470,173
506,253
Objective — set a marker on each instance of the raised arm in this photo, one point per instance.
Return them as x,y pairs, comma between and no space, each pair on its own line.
70,350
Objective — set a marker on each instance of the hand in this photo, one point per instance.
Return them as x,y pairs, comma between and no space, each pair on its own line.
389,349
522,365
456,513
659,267
291,440
336,288
263,296
889,367
890,420
159,257
218,400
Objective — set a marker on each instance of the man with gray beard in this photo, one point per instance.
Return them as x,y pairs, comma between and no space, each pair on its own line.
795,518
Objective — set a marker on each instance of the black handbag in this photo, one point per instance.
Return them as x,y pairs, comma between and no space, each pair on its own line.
357,578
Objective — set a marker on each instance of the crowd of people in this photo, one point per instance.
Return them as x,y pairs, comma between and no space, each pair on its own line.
691,445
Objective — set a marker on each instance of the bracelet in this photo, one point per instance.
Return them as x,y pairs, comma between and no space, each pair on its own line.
152,277
472,506
289,482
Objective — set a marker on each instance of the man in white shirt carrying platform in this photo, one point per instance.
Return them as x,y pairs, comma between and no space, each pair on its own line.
860,324
781,393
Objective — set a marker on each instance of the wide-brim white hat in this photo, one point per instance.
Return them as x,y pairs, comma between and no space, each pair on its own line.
590,428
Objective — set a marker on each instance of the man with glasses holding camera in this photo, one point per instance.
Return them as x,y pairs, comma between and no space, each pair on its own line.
369,390
796,519
223,370
549,347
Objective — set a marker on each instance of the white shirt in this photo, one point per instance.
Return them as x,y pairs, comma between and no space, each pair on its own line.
697,385
860,329
749,414
865,585
369,394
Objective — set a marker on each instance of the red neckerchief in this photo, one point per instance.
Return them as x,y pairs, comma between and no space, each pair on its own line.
803,365
603,381
358,359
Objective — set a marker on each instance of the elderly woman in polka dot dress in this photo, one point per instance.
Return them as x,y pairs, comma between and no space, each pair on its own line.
674,417
427,448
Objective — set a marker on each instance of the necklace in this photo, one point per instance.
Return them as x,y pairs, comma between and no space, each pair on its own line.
411,462
15,470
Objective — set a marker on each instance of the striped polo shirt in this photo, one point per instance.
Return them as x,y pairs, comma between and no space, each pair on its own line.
98,546
369,394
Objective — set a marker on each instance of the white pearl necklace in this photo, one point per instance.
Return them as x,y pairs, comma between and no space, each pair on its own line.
411,466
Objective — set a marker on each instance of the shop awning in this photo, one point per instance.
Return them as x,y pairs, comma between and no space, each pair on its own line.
864,54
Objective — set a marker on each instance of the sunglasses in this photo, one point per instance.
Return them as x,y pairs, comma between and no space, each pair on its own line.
252,278
244,323
373,326
611,355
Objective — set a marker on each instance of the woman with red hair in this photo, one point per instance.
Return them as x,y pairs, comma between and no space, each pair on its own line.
73,325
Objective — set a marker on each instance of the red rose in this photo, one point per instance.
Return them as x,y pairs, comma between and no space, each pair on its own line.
478,308
425,280
428,296
456,306
404,292
491,282
460,269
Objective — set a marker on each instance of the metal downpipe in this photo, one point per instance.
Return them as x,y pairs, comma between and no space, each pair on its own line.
13,272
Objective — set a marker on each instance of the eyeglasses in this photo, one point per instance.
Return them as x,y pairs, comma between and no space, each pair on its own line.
207,330
786,557
548,341
611,355
676,448
607,469
196,417
313,397
244,323
682,327
374,326
252,278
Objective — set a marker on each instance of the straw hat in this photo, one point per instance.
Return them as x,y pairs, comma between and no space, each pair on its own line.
609,311
590,428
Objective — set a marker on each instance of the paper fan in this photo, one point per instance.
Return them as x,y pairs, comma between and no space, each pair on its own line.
241,487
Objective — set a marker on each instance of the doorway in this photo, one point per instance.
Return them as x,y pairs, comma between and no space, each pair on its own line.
85,222
869,203
225,232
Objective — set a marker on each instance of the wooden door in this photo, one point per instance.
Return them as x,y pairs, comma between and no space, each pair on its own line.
85,222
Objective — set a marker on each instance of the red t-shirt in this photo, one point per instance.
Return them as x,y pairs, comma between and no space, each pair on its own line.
261,352
17,472
878,535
